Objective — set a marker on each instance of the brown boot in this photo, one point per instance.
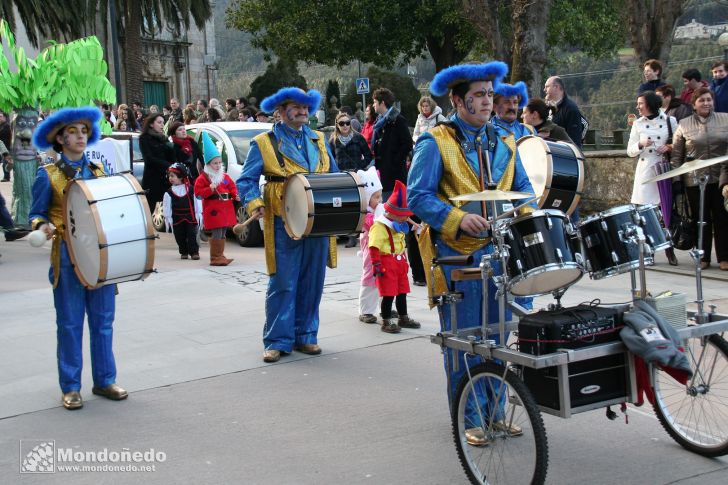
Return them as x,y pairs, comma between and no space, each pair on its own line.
216,247
222,253
389,326
671,258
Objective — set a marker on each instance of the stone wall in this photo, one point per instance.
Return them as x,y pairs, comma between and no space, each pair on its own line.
608,180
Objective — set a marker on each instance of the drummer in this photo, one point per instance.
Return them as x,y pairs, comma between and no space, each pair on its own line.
446,164
296,267
68,131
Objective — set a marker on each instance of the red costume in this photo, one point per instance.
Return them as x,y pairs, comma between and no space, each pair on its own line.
218,209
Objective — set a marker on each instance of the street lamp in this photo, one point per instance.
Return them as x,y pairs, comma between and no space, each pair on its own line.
723,42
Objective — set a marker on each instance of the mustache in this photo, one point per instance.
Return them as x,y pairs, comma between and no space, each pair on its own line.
510,110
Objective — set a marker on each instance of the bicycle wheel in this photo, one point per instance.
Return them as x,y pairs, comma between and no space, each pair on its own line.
696,414
517,450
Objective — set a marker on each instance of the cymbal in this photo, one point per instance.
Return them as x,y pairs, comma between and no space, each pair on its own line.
687,167
493,195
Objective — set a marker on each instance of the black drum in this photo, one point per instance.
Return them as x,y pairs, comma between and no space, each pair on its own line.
556,171
606,243
543,257
323,204
651,222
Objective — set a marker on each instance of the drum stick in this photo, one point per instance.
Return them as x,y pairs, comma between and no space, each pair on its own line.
238,228
513,211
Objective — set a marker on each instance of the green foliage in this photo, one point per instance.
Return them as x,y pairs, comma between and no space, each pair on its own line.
331,32
278,75
62,75
596,28
402,87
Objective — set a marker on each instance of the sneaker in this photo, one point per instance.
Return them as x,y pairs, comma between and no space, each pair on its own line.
367,318
512,430
389,326
184,256
13,234
704,264
406,322
420,283
195,257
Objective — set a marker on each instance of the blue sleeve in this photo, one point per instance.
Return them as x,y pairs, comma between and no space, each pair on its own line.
249,181
42,194
423,182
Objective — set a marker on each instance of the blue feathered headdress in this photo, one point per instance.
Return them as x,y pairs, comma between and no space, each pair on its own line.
45,135
454,75
312,98
519,89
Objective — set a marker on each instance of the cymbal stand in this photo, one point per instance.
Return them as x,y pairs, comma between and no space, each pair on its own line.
635,234
697,252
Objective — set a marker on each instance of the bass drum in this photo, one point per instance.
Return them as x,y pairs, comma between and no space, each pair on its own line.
556,171
108,231
323,204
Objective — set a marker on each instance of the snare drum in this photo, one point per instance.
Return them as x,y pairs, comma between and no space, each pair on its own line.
556,171
108,230
655,234
606,245
543,256
324,204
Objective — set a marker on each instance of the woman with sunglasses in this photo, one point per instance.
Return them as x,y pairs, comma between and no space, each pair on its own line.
350,149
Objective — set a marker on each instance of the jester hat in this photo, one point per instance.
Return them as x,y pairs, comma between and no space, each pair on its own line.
312,99
209,150
448,78
508,90
45,135
397,202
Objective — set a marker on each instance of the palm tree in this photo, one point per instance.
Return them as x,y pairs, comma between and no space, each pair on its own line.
133,14
49,19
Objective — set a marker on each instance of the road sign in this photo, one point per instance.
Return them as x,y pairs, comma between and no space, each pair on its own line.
362,85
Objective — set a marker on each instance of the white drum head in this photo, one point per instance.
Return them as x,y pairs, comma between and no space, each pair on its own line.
534,152
82,236
298,204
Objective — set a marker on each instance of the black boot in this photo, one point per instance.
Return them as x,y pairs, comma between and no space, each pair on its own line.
671,258
12,234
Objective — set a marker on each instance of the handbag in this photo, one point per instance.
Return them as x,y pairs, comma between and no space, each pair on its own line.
683,229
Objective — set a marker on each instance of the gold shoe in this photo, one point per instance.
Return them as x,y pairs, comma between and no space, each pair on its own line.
310,349
112,391
476,437
72,400
271,355
512,430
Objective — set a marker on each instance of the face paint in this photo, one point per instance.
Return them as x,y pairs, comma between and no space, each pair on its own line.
469,105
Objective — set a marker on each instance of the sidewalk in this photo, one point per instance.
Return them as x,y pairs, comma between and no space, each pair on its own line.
372,408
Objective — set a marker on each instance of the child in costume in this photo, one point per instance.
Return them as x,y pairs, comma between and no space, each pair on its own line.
217,191
368,293
182,211
68,131
389,262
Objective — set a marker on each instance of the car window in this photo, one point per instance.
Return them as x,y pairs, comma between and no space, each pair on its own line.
137,153
241,142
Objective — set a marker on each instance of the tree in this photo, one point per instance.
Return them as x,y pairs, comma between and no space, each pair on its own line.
402,87
651,26
332,89
374,32
277,75
134,15
51,19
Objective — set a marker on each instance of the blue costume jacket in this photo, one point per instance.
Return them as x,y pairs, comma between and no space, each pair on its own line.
71,298
424,179
519,130
299,267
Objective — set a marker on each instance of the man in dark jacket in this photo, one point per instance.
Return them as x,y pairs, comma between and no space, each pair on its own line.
567,114
719,86
391,142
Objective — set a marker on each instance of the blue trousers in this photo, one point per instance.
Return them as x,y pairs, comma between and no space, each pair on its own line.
469,315
73,301
294,291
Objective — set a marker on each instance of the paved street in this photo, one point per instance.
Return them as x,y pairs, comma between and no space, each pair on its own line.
371,409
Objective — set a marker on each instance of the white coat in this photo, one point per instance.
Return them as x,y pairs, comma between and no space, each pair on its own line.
425,124
657,131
